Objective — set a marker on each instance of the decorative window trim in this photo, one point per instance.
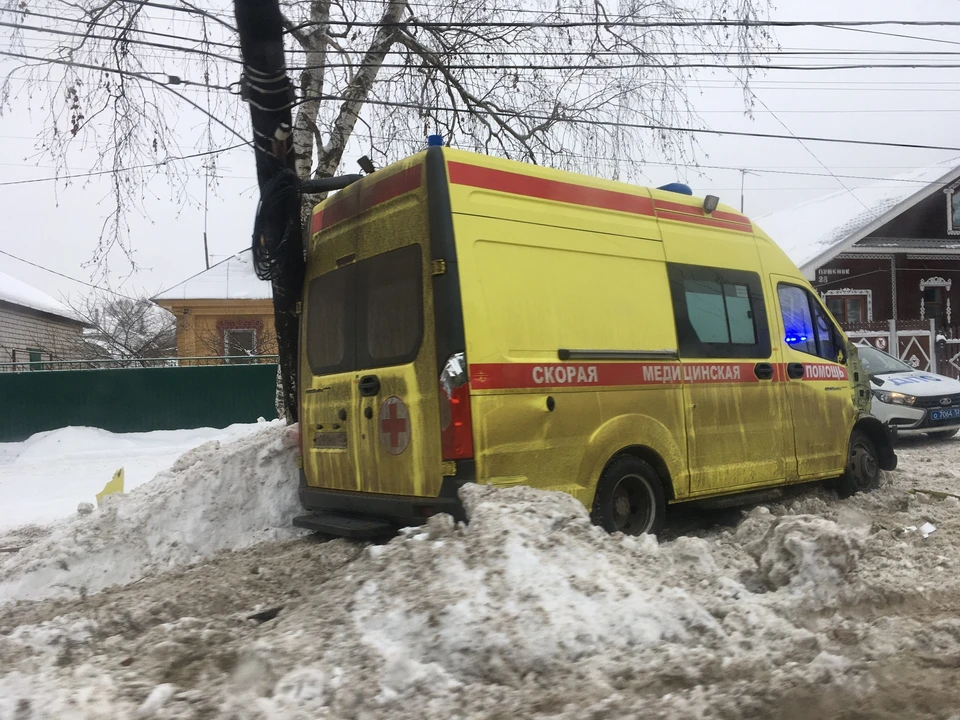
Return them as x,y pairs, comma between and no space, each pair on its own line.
893,273
852,291
935,282
949,192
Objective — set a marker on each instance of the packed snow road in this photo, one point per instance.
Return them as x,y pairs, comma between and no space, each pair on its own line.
808,608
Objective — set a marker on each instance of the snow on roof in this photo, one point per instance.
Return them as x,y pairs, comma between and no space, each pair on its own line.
230,279
17,292
815,231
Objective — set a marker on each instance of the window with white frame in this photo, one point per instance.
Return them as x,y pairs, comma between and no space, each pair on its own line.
850,306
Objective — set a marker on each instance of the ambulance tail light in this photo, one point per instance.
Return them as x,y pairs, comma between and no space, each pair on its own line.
457,429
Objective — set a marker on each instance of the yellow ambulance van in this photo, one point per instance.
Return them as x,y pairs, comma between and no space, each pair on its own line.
472,319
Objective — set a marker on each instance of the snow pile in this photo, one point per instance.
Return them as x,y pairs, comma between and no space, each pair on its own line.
811,608
530,585
810,555
215,497
45,477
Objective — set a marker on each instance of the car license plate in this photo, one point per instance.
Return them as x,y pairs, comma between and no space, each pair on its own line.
945,414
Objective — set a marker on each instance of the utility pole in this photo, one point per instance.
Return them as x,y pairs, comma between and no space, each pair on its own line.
206,195
743,174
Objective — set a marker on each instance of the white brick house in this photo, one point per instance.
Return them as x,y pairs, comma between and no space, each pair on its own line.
34,327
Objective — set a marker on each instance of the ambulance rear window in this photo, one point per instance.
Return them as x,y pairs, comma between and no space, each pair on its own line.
367,314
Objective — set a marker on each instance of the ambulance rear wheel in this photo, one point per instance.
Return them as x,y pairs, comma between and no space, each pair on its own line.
863,467
629,498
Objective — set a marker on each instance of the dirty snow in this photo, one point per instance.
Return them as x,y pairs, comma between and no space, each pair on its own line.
807,608
47,476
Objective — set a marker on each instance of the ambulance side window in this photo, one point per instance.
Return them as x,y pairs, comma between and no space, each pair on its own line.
719,313
806,325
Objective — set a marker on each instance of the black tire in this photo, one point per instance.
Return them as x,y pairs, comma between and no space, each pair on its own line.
943,434
863,467
629,498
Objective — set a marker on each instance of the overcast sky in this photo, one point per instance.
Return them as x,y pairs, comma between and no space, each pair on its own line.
57,227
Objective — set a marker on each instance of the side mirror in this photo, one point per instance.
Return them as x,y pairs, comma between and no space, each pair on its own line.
875,379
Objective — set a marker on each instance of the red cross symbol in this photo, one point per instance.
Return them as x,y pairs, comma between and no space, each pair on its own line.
394,428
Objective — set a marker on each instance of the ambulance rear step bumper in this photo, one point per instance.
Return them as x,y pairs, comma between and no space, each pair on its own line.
346,526
339,512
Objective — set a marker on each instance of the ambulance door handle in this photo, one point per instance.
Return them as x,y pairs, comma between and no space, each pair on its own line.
369,385
763,371
795,371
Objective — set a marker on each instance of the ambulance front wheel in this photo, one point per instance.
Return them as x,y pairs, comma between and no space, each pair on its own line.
629,498
863,466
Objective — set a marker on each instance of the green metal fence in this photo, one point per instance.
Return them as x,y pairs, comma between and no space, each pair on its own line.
135,399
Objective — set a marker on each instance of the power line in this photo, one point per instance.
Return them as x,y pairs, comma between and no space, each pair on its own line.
774,170
145,166
121,41
640,66
523,116
621,23
188,10
896,35
91,23
642,126
497,53
67,277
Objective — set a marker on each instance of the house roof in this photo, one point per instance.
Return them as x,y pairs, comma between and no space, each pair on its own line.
816,231
230,279
17,292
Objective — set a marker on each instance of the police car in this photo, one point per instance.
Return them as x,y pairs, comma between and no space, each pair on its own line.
912,402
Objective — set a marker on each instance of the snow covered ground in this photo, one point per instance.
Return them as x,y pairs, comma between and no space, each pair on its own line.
807,608
45,477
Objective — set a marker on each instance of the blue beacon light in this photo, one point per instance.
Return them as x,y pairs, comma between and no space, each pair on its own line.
677,188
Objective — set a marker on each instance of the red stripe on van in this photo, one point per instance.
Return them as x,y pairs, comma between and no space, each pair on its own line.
698,211
696,215
316,222
708,221
519,184
351,202
515,376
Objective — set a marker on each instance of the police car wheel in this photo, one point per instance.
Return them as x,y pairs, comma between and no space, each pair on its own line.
863,467
943,434
629,498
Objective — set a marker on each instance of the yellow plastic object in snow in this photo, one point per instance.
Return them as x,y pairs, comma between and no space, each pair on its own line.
114,486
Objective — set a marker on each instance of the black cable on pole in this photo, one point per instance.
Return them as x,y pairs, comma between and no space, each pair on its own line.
277,237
